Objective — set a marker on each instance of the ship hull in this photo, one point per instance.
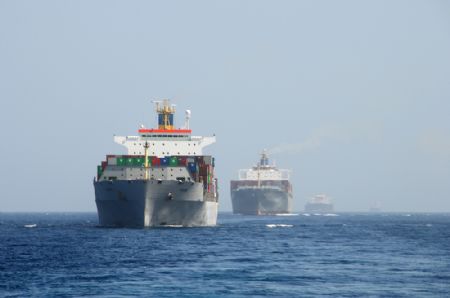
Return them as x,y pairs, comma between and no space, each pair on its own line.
152,203
261,201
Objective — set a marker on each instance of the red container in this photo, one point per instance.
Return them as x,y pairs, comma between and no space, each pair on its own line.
104,164
156,161
182,161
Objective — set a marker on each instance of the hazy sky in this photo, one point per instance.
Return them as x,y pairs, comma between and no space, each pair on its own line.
353,96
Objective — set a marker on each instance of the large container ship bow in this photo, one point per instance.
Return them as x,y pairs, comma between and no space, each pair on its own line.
262,190
164,180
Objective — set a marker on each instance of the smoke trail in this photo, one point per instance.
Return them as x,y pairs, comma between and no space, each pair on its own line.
435,142
318,138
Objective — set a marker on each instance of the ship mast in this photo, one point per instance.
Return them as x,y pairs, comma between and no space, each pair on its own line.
146,146
263,163
165,112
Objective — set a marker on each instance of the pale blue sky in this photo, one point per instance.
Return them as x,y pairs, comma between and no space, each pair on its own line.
353,96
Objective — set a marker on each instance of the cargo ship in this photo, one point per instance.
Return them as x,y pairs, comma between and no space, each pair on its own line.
163,180
262,190
319,204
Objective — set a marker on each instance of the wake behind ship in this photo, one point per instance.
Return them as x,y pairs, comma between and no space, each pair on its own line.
262,190
164,180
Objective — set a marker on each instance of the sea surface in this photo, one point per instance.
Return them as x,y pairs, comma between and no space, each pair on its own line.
342,255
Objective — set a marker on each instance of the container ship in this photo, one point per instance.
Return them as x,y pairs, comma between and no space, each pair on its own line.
262,190
319,204
163,180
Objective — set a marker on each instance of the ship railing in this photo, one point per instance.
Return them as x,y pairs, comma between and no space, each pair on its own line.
259,187
250,174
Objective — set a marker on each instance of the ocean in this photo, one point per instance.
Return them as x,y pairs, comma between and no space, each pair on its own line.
342,255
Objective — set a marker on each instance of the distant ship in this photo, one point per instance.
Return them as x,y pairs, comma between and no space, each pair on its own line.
375,208
262,190
164,180
319,204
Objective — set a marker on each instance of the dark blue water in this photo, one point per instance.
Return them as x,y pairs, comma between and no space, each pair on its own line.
350,255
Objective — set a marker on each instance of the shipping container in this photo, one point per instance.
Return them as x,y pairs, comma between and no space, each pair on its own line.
192,167
138,161
129,161
207,160
182,160
173,161
149,160
164,161
112,161
155,161
121,161
99,171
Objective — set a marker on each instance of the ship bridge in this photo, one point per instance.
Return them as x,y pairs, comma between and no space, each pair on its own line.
165,140
264,171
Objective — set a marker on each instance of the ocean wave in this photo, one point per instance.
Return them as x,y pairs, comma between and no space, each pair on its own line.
286,214
279,226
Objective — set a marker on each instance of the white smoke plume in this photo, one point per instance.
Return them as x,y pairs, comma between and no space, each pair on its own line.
330,133
435,142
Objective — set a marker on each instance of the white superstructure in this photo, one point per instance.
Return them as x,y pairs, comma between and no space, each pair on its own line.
166,141
264,171
320,199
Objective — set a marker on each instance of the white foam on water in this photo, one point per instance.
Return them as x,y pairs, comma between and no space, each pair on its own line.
286,214
279,226
330,214
306,214
30,226
173,226
428,225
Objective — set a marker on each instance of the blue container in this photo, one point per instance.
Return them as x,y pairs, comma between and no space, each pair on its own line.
192,167
164,161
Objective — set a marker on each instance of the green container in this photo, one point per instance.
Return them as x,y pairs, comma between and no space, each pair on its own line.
138,161
121,161
173,161
129,161
99,171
